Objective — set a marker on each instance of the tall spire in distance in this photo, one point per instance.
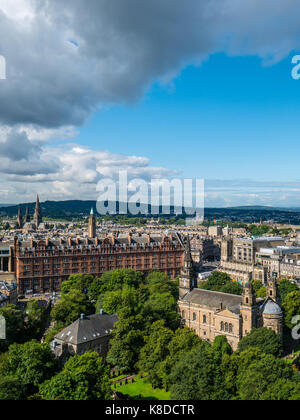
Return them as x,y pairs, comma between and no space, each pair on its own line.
37,213
20,218
27,217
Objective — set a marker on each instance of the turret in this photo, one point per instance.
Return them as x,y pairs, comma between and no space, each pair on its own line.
248,309
187,278
92,225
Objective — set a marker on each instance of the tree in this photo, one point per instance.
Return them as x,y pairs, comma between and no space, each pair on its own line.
221,282
112,302
235,364
264,339
80,282
70,307
83,378
221,346
31,363
15,331
126,342
286,287
197,376
260,230
259,289
37,317
158,282
161,306
182,342
253,383
155,351
291,307
11,389
282,390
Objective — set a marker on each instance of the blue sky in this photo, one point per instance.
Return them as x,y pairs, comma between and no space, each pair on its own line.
229,118
84,97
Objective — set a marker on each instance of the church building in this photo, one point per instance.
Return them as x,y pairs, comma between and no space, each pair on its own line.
211,313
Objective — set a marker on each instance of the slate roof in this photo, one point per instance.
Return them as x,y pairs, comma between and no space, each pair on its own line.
88,329
213,300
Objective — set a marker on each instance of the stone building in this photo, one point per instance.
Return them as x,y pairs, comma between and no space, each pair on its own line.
88,333
211,313
239,257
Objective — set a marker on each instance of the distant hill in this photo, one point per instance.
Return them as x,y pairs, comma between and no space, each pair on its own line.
77,209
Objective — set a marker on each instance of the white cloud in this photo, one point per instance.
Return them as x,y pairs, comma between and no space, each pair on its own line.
65,60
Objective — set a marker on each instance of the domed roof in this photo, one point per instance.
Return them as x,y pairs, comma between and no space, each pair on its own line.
272,308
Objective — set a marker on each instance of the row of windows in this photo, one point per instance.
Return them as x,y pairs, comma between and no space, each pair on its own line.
224,326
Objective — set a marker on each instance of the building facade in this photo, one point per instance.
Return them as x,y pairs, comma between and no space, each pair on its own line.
211,313
42,266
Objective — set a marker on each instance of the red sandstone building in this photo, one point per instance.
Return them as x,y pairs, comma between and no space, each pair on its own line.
42,266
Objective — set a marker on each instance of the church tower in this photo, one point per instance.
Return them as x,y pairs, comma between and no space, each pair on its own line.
27,217
272,314
20,218
92,225
272,289
248,309
37,218
187,278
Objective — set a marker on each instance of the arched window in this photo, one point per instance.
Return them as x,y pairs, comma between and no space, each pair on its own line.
222,326
183,314
204,319
226,327
194,316
230,328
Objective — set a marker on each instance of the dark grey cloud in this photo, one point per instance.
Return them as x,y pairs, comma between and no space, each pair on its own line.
21,157
16,146
73,56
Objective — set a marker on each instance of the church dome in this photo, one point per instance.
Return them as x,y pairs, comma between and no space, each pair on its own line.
272,308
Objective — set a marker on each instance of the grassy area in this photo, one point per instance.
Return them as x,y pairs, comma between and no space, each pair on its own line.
142,390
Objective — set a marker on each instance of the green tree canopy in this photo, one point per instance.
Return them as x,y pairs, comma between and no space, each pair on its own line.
126,342
197,376
83,378
70,307
155,351
266,340
37,317
221,282
31,363
11,389
291,308
286,287
253,383
15,331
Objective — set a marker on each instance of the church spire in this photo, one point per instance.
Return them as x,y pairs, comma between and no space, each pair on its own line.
37,213
20,218
27,217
